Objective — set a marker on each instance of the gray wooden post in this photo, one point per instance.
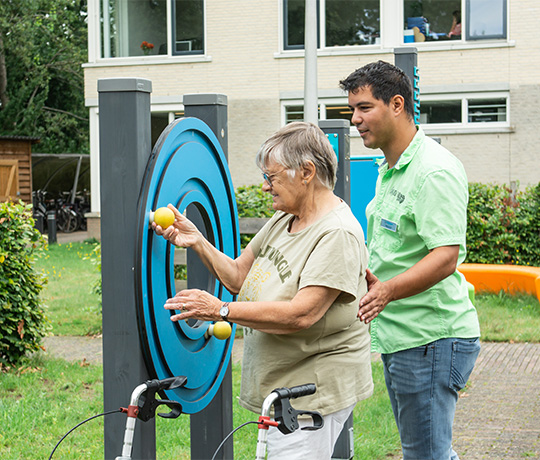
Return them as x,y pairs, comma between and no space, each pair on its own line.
210,426
125,146
407,60
338,132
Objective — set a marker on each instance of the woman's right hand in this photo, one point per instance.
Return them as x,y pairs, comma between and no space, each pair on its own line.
182,232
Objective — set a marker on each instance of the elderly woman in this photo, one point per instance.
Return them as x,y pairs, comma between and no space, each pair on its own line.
299,282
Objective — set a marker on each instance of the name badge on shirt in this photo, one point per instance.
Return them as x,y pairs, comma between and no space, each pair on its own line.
392,226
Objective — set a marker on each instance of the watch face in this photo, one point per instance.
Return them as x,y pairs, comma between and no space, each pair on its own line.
224,311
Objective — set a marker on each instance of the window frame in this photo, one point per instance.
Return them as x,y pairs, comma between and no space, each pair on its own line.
502,36
172,26
322,104
285,23
466,126
433,95
466,38
321,29
392,18
96,52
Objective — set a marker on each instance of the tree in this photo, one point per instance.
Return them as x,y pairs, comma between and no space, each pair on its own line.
43,44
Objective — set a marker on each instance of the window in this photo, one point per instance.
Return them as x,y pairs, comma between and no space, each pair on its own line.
466,111
486,110
294,113
351,22
328,110
188,27
160,120
134,28
338,112
487,19
441,20
345,23
440,112
295,20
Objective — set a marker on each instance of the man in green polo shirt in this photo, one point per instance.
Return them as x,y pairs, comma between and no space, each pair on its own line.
422,321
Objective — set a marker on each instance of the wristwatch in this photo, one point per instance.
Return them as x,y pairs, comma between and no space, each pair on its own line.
224,311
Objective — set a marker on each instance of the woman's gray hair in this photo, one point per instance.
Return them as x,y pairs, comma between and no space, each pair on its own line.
297,143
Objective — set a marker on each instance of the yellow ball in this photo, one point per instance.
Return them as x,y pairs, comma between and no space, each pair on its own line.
164,217
222,330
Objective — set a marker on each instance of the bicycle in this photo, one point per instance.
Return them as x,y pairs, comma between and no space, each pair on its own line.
143,405
68,219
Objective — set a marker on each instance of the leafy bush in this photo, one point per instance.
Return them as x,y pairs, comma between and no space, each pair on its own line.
251,201
503,227
22,318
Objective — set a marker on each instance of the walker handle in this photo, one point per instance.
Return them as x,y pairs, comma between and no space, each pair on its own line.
287,416
296,392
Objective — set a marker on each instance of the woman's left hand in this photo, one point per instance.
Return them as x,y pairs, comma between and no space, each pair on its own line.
194,303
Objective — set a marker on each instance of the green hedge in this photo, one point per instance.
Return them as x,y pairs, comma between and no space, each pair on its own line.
22,318
503,228
251,201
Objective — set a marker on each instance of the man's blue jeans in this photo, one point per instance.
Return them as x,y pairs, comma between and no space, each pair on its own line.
423,385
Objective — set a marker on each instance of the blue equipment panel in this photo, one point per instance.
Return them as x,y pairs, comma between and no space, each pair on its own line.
334,142
364,174
187,167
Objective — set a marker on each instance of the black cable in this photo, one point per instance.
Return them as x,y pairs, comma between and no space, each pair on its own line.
77,426
229,435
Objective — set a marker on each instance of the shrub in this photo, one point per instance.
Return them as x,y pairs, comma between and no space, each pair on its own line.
22,318
503,227
530,235
251,201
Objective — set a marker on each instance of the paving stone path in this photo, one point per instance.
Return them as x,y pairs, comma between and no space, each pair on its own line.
499,416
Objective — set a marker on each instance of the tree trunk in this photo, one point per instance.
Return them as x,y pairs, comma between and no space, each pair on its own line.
4,100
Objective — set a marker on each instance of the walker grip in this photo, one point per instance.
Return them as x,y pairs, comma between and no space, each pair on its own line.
147,409
287,416
297,391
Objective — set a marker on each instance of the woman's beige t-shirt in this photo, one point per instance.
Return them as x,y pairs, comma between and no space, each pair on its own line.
334,353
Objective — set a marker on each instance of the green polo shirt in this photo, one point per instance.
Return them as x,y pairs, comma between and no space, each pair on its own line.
419,205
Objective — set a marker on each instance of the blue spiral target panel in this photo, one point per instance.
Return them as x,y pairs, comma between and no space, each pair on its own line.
188,169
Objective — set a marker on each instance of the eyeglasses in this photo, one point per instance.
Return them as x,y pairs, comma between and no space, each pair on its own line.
268,177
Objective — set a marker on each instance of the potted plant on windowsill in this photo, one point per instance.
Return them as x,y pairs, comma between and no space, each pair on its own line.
147,47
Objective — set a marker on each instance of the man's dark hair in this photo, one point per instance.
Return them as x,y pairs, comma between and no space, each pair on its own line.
384,80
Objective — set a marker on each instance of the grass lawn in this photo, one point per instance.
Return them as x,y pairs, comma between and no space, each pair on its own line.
505,318
72,305
43,399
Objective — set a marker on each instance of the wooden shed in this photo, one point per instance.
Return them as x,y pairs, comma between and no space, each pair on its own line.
16,168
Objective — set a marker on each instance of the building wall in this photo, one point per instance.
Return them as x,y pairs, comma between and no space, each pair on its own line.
243,43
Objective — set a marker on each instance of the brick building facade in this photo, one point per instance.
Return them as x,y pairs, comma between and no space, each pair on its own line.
480,91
